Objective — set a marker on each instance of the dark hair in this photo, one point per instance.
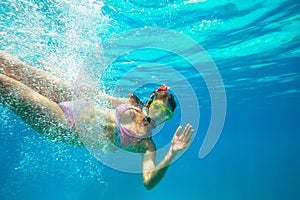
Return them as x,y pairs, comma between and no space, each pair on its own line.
170,97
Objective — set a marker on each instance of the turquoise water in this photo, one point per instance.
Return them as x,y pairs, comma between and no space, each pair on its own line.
256,49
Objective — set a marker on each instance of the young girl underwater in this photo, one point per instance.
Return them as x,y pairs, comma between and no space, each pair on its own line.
46,103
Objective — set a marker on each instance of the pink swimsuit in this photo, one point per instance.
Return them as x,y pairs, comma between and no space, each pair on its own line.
124,137
72,109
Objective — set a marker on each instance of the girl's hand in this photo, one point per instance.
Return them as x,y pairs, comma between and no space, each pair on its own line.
180,142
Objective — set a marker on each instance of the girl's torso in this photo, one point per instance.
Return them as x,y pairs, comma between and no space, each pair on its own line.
112,126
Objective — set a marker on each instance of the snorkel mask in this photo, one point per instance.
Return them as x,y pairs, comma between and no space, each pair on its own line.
158,106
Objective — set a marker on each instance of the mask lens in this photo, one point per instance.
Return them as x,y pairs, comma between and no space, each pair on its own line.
158,106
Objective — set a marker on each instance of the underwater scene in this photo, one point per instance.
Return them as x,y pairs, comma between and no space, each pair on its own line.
232,66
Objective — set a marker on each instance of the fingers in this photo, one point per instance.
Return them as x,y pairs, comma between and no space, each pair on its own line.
190,132
187,129
178,130
182,141
187,133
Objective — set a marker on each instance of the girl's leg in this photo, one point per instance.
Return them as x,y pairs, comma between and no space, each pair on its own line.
39,112
45,84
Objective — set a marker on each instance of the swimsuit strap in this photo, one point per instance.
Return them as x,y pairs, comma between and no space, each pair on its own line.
122,108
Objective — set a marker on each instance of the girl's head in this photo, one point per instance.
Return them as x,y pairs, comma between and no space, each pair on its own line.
162,107
167,98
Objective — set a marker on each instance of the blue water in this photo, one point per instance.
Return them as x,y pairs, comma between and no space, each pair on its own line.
255,46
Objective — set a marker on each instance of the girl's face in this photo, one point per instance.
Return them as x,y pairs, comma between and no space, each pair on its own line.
160,111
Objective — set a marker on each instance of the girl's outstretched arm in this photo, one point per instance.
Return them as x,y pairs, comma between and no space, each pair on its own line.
54,88
153,174
111,100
